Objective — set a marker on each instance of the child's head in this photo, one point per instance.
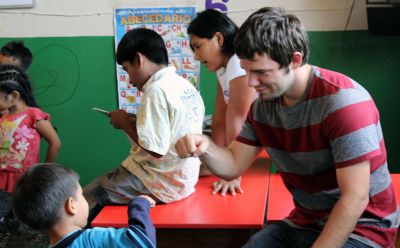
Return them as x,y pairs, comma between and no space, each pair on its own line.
46,194
14,85
15,53
212,33
141,52
144,41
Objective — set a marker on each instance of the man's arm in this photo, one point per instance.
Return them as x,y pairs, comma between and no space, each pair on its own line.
354,188
120,119
227,163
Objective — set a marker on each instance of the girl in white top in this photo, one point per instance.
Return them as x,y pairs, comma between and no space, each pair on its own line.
211,38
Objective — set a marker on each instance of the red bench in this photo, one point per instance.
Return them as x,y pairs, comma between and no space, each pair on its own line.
280,201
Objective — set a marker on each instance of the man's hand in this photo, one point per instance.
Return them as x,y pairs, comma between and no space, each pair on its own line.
119,119
192,145
224,186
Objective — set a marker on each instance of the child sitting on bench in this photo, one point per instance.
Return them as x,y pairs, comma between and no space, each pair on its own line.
49,197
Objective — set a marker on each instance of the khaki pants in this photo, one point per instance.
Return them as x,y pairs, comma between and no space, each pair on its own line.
117,187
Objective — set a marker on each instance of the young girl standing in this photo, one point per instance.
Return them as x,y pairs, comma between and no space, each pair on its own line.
211,38
21,130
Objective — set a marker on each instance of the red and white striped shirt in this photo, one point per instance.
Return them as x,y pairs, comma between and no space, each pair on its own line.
335,125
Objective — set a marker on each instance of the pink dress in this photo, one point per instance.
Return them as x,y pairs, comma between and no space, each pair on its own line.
19,145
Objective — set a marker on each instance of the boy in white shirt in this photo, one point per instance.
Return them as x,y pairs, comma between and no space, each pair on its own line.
169,109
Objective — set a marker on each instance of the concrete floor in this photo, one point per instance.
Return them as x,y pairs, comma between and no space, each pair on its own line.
14,240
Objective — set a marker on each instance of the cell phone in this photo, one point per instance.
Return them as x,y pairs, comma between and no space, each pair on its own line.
101,111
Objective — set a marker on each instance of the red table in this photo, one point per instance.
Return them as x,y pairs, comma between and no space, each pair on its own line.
280,201
204,210
203,219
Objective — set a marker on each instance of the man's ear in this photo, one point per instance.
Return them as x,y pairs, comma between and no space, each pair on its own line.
297,59
220,38
69,206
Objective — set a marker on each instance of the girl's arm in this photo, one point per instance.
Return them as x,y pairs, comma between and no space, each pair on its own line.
47,131
240,98
218,133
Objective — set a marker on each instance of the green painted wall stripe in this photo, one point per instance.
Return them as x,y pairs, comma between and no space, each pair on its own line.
73,74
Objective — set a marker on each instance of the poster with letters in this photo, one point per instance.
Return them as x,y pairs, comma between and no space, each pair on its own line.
171,24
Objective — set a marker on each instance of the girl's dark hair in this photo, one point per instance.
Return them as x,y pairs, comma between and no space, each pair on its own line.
211,21
14,78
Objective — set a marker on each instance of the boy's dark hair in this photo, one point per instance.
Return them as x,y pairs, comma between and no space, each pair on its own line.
211,21
144,41
273,32
41,192
14,78
17,50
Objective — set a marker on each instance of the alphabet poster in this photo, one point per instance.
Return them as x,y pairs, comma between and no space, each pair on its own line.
171,24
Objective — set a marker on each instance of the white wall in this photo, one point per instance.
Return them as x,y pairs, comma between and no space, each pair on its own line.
61,18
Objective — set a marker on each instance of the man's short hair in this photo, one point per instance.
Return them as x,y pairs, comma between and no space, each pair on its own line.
273,32
41,192
17,50
144,41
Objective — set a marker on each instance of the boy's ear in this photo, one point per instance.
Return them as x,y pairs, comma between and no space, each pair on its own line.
139,59
69,206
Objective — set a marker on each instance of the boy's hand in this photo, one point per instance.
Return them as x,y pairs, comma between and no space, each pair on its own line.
119,119
149,199
192,145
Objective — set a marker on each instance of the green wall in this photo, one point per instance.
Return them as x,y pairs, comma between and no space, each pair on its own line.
72,75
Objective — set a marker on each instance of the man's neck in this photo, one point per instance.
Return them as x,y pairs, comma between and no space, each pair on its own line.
299,87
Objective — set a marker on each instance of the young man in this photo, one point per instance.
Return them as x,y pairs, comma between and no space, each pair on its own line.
48,197
169,109
322,130
15,53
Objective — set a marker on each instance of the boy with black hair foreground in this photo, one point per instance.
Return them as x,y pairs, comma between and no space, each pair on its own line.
49,197
15,53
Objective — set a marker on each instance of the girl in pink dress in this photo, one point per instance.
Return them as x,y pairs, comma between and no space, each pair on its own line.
21,129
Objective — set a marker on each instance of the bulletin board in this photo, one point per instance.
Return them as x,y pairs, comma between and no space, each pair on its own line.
17,3
171,24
